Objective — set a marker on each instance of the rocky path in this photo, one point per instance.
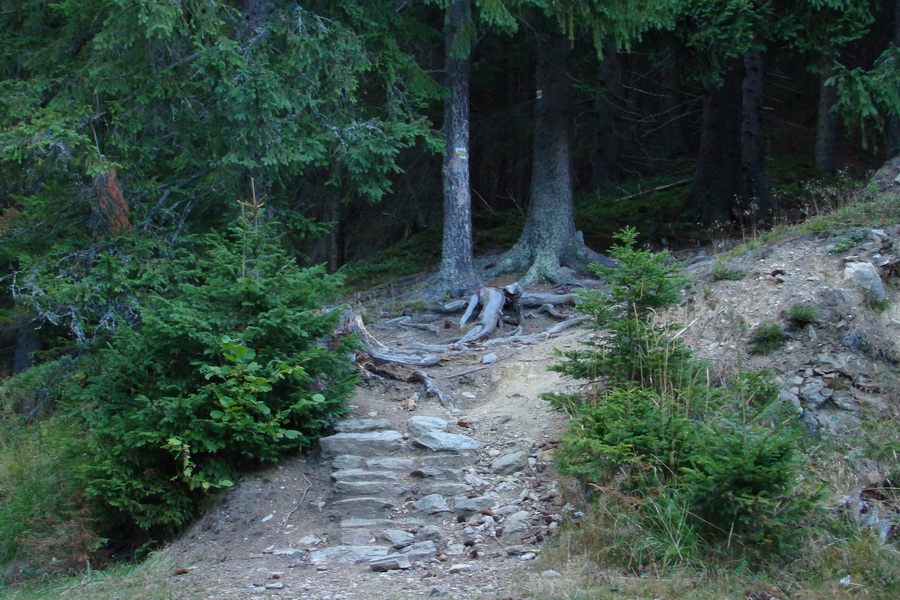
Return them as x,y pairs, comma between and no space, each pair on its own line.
399,504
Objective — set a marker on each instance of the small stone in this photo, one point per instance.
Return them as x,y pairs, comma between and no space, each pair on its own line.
421,550
390,562
275,586
489,358
429,532
398,538
436,591
510,463
431,504
472,505
267,518
551,574
461,568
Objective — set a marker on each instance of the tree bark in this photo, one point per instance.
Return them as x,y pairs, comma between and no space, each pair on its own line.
827,125
754,194
457,276
717,180
549,240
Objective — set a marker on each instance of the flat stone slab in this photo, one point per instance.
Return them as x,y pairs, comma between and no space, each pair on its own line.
363,475
360,425
390,562
370,488
431,504
472,505
448,489
346,461
369,443
441,441
391,464
421,425
348,555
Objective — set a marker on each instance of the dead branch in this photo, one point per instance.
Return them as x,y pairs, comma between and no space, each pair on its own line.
661,188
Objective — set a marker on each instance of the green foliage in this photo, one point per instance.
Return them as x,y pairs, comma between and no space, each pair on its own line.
45,525
707,470
231,368
637,351
869,99
802,314
765,338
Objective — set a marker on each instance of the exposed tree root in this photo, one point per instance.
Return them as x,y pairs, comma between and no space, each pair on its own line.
548,264
495,304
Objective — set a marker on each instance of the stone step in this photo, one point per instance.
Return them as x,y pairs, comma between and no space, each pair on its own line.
368,443
441,441
363,475
361,425
444,488
370,488
347,554
361,508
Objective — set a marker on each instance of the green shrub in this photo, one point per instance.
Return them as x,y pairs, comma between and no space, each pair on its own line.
229,368
707,470
638,351
802,314
765,338
722,272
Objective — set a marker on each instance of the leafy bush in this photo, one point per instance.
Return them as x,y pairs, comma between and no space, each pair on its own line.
231,366
707,469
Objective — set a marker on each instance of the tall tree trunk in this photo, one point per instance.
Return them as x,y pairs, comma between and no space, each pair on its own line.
827,125
457,274
549,240
607,138
716,182
754,194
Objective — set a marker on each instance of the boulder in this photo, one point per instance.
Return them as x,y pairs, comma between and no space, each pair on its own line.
866,276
